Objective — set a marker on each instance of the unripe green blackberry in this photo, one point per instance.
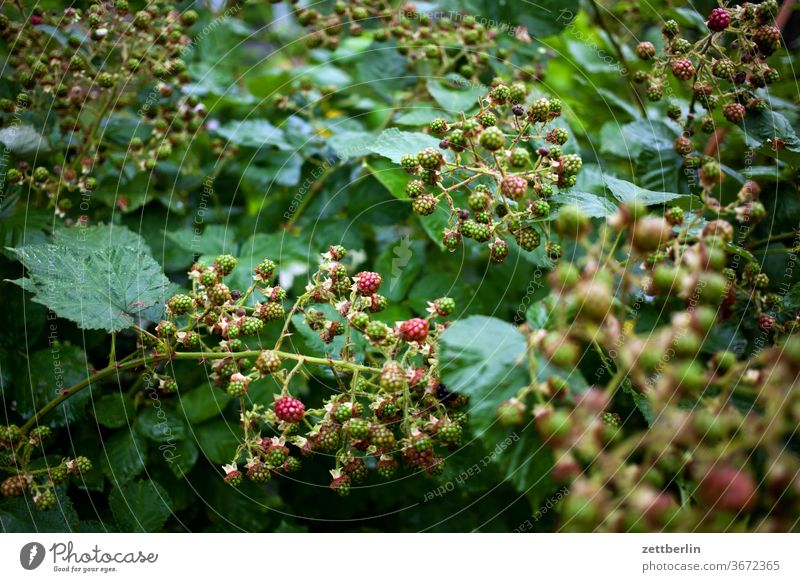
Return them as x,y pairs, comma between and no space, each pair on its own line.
674,111
225,264
265,270
237,388
40,434
341,485
424,205
219,294
681,46
414,189
105,80
451,240
527,238
377,330
258,472
180,304
410,163
483,217
723,69
41,174
342,412
268,362
457,140
557,136
478,201
500,94
359,320
329,438
540,208
488,119
271,311
429,159
392,377
539,111
517,93
674,215
571,164
655,91
81,466
671,29
571,222
477,231
14,176
142,19
492,139
498,251
381,436
519,158
357,428
386,468
444,306
59,473
439,126
45,499
553,250
276,456
250,326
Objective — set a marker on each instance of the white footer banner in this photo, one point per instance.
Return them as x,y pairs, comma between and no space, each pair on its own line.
413,557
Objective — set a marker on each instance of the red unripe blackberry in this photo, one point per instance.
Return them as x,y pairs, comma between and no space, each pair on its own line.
219,294
14,486
514,187
414,330
768,39
766,322
498,251
683,69
683,145
271,311
386,468
424,205
718,20
726,488
233,477
289,409
341,485
645,50
258,472
368,283
734,112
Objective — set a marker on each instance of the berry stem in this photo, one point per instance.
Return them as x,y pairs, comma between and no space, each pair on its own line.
114,369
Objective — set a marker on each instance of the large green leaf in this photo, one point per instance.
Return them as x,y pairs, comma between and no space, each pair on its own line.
124,456
48,372
254,133
101,277
394,144
486,359
766,129
140,506
457,97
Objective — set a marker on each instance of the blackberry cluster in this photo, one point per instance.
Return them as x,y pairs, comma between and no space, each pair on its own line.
504,164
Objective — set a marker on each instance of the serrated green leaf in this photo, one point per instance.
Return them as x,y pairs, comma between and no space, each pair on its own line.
123,456
161,424
103,281
23,140
394,144
489,372
218,440
460,96
140,506
203,403
114,410
592,204
254,133
50,371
